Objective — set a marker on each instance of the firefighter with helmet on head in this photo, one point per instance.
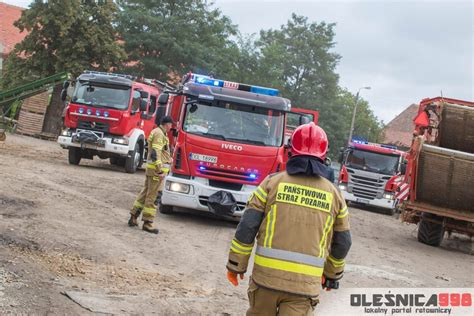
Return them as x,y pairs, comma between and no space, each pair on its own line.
157,167
298,223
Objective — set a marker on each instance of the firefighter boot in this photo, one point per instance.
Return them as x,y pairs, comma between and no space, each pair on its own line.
148,227
133,221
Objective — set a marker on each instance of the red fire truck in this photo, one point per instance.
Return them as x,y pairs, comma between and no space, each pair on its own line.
437,191
370,173
110,116
230,137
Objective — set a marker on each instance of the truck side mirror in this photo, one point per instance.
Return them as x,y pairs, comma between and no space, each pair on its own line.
66,85
143,104
163,98
403,168
143,94
287,142
63,94
304,120
340,158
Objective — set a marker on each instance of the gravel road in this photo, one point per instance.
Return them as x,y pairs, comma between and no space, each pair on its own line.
65,247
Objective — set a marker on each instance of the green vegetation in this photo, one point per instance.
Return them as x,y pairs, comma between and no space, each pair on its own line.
164,39
69,35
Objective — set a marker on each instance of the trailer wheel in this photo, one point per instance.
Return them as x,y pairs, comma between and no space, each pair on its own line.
74,155
429,232
133,160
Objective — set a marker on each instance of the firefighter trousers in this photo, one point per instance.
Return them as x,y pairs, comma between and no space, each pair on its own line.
145,201
266,302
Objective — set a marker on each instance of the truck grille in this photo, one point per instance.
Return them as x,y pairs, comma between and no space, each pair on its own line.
95,126
203,201
225,185
366,187
223,173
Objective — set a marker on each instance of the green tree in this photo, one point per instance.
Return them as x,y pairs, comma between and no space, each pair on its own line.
66,35
298,57
243,60
299,60
166,38
336,120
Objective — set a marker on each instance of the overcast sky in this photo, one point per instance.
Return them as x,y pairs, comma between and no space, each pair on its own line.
405,50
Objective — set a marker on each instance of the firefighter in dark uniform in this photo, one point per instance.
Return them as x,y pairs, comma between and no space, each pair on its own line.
300,223
157,167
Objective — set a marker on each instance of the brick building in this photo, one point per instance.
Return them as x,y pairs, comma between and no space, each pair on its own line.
399,131
9,34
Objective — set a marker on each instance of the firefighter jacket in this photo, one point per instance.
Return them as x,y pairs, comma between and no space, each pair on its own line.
159,157
301,227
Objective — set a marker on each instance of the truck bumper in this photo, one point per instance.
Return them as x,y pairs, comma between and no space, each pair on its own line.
383,202
199,193
107,145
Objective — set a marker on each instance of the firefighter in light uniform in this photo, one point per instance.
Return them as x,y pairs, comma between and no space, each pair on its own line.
301,226
157,167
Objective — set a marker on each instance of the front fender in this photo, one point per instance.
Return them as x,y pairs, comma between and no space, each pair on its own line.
135,136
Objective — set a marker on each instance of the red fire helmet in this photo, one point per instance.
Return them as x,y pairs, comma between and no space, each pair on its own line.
309,140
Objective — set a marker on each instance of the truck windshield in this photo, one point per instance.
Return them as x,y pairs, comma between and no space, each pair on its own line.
372,161
235,122
115,97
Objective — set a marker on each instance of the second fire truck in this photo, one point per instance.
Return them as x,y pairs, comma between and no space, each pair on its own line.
110,116
370,174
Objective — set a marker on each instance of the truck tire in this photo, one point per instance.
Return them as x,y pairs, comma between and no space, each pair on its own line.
430,233
74,155
133,160
121,161
165,209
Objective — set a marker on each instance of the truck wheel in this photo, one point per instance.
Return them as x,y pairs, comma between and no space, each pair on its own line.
142,157
430,233
133,160
74,155
165,209
121,161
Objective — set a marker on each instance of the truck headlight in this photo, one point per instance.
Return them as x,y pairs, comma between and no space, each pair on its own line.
388,196
343,186
177,187
120,141
66,132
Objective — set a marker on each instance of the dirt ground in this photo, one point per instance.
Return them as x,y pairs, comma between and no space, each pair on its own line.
65,247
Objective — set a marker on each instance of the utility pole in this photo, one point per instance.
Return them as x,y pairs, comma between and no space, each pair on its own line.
354,113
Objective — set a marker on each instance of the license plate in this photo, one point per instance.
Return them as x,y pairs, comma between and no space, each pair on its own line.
204,158
362,201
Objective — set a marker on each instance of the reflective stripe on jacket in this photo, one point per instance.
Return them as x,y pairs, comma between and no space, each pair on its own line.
159,157
293,219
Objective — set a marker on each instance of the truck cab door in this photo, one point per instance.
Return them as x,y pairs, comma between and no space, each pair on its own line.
169,104
294,119
148,116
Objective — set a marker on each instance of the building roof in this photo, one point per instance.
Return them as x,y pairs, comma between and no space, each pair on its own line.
399,131
9,34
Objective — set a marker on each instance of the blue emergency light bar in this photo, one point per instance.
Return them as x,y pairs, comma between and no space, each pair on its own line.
357,141
364,142
206,80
